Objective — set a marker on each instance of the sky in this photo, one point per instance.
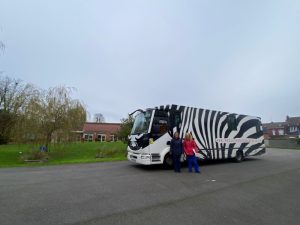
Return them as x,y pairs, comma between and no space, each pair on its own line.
234,56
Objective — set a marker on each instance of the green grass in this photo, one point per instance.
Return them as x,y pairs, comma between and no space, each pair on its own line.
12,155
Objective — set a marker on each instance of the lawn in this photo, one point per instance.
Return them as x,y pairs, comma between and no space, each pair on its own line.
13,155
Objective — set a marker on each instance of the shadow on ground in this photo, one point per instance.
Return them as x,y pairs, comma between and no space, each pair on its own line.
201,163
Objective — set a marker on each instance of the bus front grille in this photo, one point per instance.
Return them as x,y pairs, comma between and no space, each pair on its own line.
155,157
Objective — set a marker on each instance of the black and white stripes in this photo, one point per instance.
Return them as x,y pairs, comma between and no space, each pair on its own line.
215,137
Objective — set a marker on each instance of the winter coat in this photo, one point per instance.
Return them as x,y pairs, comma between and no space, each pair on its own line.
176,147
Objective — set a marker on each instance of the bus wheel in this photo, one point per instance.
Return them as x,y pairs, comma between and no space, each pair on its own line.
239,156
168,161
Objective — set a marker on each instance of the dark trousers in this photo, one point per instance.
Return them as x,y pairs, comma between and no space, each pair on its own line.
176,162
192,162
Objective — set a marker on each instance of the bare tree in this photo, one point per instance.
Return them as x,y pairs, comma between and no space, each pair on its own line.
36,115
59,114
55,115
14,97
14,94
99,118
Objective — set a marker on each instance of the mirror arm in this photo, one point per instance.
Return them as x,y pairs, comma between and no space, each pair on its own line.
138,110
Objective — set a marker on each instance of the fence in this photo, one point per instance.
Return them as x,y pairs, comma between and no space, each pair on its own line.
283,143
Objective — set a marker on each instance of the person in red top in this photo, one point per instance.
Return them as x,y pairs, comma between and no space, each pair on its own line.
190,147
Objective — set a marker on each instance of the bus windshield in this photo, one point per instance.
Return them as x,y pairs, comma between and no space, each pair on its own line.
141,122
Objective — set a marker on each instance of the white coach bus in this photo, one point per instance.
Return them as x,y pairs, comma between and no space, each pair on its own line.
218,135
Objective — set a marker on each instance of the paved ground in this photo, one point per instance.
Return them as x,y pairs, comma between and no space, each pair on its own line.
261,190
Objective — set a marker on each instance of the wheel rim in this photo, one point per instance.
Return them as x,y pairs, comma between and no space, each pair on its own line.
239,156
169,161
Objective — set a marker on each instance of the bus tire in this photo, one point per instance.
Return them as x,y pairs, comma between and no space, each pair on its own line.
239,157
168,161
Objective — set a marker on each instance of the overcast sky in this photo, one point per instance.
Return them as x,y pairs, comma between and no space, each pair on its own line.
236,56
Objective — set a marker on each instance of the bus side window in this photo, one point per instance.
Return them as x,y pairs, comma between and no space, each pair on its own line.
178,120
160,123
258,127
155,128
163,127
232,123
159,127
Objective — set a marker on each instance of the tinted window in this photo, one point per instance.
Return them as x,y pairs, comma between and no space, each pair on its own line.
258,127
160,123
232,123
177,120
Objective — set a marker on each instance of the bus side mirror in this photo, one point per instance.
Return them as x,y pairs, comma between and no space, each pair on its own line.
168,142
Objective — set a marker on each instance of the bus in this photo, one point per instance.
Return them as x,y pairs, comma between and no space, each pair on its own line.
218,135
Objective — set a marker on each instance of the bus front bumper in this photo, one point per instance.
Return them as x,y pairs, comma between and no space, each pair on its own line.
139,158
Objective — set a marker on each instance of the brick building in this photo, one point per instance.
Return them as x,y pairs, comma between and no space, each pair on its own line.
274,129
100,131
293,125
290,128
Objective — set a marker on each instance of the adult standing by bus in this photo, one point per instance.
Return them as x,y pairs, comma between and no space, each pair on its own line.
190,148
176,149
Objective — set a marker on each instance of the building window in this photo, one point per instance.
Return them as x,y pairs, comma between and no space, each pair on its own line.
101,137
293,129
281,132
273,132
113,137
88,137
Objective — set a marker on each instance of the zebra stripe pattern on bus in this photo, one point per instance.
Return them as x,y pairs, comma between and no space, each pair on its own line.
208,126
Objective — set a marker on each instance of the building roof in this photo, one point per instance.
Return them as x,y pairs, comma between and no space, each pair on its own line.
101,127
274,125
293,120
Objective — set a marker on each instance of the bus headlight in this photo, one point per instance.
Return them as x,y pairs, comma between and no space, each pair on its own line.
145,156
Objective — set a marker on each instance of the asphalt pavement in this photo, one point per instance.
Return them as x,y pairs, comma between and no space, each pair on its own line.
261,190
